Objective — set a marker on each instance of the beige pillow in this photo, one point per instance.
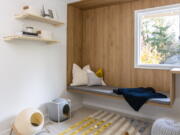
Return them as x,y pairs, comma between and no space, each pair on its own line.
102,82
79,75
93,79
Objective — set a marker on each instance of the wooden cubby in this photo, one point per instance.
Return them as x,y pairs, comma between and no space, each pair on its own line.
101,33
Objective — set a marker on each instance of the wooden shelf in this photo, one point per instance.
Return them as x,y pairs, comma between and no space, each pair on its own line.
38,18
175,71
16,37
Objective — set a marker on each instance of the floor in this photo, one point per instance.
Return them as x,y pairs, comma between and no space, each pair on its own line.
57,128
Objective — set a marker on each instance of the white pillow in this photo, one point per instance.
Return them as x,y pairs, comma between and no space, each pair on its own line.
79,75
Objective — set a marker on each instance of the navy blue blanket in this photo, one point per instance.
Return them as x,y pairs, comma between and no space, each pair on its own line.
137,97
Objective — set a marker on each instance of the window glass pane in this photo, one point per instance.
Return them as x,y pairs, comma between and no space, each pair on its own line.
160,41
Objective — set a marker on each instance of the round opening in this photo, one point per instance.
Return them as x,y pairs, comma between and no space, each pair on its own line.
36,119
66,110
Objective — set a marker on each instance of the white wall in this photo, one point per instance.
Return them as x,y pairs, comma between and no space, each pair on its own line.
147,111
31,73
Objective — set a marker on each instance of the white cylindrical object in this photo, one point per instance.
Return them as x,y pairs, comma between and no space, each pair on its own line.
165,127
29,122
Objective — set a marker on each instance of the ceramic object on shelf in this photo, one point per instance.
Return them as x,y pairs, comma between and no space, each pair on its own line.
29,29
29,9
46,34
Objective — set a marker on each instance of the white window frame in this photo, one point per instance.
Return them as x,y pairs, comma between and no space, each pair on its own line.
138,16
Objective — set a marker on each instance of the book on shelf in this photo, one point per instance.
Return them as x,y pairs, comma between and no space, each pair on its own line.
24,33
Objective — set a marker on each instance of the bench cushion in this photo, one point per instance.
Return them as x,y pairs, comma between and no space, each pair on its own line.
108,90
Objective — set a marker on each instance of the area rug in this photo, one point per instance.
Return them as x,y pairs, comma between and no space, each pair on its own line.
106,123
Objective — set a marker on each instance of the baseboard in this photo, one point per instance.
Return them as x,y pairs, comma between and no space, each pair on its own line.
140,116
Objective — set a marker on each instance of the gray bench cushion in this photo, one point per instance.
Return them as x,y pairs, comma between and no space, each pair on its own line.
109,91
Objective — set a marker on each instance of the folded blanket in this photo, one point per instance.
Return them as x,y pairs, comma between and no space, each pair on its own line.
137,97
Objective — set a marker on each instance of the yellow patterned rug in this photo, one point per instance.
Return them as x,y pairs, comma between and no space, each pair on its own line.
106,123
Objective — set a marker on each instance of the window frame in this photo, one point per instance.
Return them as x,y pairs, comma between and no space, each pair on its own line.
137,39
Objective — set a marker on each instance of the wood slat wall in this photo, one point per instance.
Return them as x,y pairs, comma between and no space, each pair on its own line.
87,4
74,36
106,40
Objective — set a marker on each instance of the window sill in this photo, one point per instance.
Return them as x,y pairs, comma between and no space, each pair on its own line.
158,67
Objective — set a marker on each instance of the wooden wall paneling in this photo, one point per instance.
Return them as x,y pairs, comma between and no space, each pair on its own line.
74,40
172,87
158,79
141,4
124,55
105,27
87,4
164,2
109,31
90,46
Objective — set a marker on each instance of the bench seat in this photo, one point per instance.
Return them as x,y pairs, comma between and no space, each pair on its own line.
108,90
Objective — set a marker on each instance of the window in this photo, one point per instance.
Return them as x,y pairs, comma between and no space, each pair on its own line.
157,37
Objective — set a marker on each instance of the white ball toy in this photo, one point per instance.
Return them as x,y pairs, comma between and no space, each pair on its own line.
165,127
29,122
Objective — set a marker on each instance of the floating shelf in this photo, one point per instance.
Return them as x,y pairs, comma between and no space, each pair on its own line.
38,18
16,37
